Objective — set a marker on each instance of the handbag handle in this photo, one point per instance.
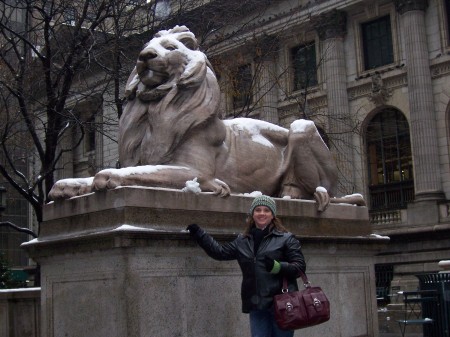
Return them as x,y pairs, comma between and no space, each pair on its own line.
305,280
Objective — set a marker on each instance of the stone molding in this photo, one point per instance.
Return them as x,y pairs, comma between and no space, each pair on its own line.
363,88
403,6
366,88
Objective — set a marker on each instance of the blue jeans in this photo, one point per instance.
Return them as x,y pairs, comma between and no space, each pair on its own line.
263,324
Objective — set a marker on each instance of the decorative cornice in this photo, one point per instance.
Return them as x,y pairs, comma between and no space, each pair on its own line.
331,24
403,6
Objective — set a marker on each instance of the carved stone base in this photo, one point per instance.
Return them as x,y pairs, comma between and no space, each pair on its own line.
119,263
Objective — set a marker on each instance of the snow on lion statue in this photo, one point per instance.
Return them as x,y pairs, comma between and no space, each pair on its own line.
170,133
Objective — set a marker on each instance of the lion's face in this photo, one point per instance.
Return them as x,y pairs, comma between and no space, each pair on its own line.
161,58
170,58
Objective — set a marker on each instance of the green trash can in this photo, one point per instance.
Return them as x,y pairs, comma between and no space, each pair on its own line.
439,282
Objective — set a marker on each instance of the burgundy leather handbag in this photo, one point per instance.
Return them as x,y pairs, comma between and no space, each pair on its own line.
301,309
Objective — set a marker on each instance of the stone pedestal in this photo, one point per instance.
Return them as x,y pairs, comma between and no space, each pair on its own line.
119,263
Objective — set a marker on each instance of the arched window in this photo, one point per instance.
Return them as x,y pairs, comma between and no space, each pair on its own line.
389,158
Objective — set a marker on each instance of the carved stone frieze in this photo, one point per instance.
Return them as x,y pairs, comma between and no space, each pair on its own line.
359,91
371,9
440,69
369,89
319,102
285,113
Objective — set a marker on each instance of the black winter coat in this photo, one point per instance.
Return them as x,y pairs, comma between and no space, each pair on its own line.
258,285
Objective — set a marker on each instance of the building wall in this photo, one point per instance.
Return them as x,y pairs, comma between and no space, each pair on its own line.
352,95
413,227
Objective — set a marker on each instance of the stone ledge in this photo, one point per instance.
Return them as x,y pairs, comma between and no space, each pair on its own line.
172,210
128,236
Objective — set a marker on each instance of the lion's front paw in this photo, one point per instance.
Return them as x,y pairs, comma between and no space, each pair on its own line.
323,200
107,180
68,188
221,188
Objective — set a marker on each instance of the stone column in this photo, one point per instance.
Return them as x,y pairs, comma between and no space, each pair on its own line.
331,28
427,177
266,94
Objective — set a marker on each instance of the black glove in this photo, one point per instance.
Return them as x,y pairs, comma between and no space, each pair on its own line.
193,228
268,261
272,266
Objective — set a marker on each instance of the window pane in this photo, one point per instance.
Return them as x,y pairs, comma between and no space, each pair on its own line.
447,12
10,239
377,43
304,64
389,161
89,136
242,86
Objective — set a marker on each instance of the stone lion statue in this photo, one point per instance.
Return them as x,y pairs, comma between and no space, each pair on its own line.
170,132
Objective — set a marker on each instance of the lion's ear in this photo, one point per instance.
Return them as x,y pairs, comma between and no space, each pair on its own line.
188,41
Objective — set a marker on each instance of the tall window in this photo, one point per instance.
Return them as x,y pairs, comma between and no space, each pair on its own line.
13,16
389,161
89,136
447,16
377,43
383,277
17,213
305,67
242,86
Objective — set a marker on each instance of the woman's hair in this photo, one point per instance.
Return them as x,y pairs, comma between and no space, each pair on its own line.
276,223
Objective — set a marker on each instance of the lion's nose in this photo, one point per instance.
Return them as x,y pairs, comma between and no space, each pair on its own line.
147,54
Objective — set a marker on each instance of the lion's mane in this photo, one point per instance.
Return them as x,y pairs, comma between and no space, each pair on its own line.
156,120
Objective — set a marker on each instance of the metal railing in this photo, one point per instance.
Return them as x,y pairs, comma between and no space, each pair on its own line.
391,196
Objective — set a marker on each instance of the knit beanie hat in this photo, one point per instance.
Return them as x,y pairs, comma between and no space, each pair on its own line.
264,200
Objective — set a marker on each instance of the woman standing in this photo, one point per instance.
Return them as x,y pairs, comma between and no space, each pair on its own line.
266,253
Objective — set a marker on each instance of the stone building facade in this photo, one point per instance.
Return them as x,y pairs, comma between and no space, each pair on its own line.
375,77
378,88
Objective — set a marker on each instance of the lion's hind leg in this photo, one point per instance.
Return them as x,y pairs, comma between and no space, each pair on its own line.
68,188
309,163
